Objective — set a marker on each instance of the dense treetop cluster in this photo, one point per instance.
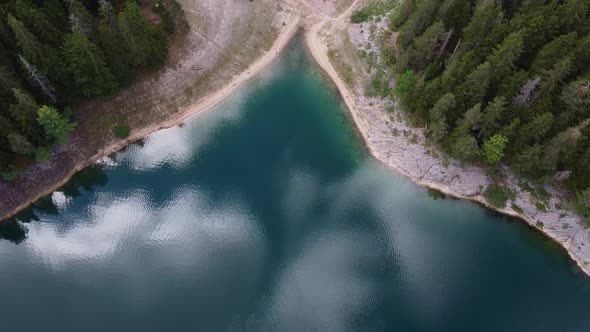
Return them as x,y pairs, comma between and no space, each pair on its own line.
498,81
55,53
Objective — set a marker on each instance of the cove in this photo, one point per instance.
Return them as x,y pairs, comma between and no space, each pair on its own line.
267,213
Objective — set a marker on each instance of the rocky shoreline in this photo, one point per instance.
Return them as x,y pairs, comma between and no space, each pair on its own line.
403,148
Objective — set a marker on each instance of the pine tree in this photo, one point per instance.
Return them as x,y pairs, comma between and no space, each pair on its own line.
31,46
528,162
38,80
422,17
87,64
147,46
473,118
576,95
38,22
80,19
20,145
116,52
476,84
492,114
487,16
556,49
562,142
24,111
503,58
573,14
425,48
438,123
462,145
401,15
453,13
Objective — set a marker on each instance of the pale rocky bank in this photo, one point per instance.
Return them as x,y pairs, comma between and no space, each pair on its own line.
337,46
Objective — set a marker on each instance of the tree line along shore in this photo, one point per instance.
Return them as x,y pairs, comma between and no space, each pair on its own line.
495,83
55,54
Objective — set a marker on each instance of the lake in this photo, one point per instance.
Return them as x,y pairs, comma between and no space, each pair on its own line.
266,213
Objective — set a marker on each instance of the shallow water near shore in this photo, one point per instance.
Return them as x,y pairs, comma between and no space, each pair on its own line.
267,213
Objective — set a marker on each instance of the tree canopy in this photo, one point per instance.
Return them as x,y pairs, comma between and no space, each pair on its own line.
55,53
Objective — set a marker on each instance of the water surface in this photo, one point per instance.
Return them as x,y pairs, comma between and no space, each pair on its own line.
266,214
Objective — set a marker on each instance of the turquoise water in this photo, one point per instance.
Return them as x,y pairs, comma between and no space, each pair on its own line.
264,214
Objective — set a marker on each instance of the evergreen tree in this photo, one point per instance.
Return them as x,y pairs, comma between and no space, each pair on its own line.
528,162
24,111
425,48
80,19
503,58
438,123
38,80
556,49
492,115
401,15
20,145
29,44
576,95
462,145
418,22
147,45
487,16
87,64
37,21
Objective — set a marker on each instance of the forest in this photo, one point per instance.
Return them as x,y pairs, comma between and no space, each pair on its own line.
497,82
55,54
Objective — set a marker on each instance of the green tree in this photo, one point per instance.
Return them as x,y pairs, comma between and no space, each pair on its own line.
146,44
476,84
462,145
487,16
87,65
24,111
561,143
55,125
20,145
556,49
492,115
401,15
584,203
37,21
425,48
438,121
405,84
422,17
453,13
493,149
576,95
473,118
31,46
528,161
116,53
503,57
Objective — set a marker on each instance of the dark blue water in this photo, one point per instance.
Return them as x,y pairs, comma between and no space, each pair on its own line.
267,214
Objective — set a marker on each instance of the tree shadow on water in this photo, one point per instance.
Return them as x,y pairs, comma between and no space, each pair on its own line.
13,231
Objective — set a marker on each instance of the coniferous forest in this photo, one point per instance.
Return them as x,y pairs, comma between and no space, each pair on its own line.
499,82
56,53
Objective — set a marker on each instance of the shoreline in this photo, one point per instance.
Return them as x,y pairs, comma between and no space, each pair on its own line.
285,36
319,52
